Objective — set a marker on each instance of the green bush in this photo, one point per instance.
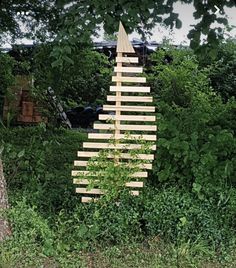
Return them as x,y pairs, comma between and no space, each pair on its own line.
196,130
85,80
6,76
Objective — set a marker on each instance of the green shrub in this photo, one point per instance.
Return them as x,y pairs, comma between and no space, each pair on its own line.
196,130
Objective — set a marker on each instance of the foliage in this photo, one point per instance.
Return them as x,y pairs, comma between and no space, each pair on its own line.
49,222
109,173
196,129
70,21
6,76
222,71
86,79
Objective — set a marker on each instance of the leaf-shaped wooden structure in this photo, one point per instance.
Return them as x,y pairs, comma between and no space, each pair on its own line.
127,89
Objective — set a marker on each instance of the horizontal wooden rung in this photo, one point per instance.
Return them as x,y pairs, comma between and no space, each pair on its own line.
130,98
86,191
134,184
129,89
141,166
85,199
125,127
74,173
122,155
127,59
103,136
128,79
124,146
143,118
129,108
128,69
98,191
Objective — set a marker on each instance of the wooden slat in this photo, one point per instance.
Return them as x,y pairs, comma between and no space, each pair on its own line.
127,59
129,89
128,69
126,127
123,155
127,108
141,166
103,136
134,192
74,173
85,191
133,79
85,199
98,191
131,98
135,184
144,118
126,146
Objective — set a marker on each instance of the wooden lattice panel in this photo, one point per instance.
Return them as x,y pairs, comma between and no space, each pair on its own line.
127,89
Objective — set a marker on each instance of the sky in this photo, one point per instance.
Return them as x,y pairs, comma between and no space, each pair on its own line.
177,36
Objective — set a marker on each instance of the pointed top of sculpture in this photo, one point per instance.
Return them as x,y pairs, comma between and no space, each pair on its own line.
123,43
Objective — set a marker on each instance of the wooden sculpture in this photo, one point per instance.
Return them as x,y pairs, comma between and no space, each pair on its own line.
120,121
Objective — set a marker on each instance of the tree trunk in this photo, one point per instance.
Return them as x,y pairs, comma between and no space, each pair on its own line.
4,225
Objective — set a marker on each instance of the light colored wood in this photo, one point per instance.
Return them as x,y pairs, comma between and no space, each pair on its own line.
134,193
141,166
126,108
126,146
103,136
123,43
137,70
143,118
81,163
129,89
135,184
126,127
130,98
98,191
74,173
85,191
128,79
85,199
127,59
123,155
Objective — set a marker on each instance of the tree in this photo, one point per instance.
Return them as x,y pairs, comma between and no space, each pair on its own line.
4,225
70,20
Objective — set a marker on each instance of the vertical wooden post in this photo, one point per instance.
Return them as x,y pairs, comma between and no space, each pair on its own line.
118,104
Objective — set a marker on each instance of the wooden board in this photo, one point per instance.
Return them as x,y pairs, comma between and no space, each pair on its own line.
130,98
103,136
98,191
77,163
122,156
134,184
126,127
126,108
127,59
74,173
123,43
126,146
85,191
85,199
144,118
136,70
129,89
128,79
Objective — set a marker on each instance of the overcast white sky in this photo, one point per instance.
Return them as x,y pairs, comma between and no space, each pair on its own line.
186,16
177,36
